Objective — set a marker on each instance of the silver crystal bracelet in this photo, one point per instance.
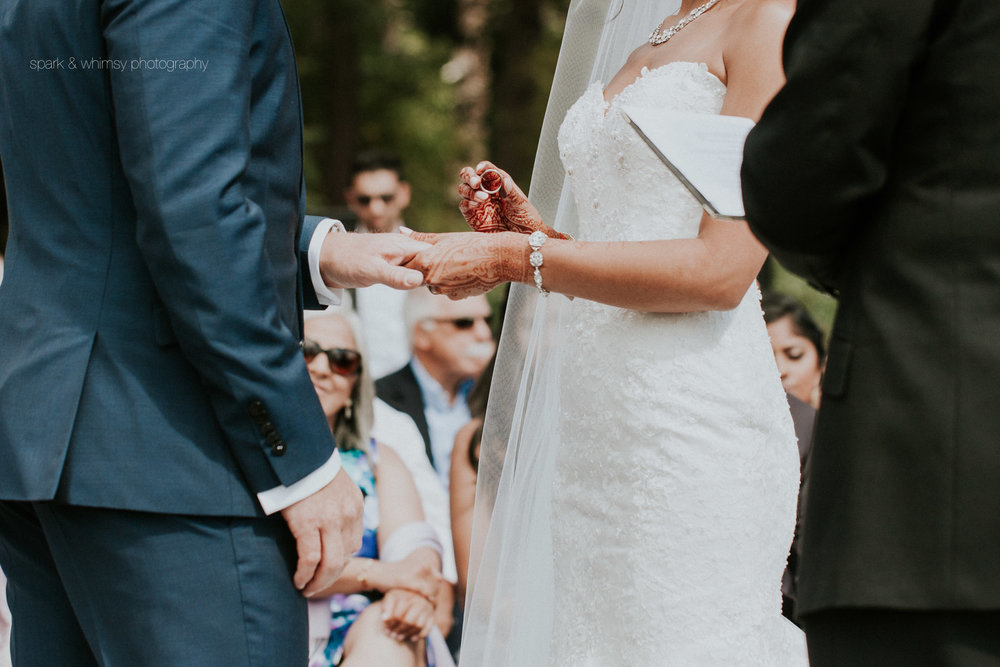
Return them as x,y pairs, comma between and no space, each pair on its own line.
535,242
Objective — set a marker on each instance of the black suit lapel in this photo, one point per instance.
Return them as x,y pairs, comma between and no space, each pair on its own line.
402,392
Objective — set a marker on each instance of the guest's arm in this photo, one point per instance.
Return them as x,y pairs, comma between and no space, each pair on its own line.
399,505
462,489
418,573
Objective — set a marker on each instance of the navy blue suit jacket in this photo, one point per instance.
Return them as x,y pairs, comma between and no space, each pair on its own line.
150,310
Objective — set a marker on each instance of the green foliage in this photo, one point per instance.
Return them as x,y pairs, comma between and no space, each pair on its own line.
371,73
820,305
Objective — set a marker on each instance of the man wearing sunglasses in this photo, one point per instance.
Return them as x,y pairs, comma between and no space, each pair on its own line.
377,193
451,344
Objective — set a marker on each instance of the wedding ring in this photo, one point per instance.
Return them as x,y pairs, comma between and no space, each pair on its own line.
433,290
490,181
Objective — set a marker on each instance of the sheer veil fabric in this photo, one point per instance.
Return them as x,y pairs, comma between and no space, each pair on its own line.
509,606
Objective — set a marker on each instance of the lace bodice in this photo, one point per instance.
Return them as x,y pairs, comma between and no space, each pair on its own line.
629,201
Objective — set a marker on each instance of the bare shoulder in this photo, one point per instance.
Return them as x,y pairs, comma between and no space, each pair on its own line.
762,17
752,54
464,434
392,473
756,31
463,441
387,457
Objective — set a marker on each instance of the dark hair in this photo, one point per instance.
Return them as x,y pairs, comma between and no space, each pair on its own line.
777,306
373,160
477,399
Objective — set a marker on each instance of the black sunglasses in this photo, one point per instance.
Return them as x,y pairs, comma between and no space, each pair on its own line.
462,322
342,361
365,200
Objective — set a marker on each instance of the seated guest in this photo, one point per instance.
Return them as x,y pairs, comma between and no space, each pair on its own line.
451,343
390,598
798,347
398,431
464,473
797,342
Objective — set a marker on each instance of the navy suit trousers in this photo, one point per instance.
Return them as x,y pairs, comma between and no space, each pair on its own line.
90,586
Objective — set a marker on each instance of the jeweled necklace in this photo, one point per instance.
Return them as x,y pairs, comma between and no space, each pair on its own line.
660,36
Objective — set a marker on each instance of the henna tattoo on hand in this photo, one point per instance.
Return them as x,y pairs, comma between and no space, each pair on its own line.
486,217
503,212
466,264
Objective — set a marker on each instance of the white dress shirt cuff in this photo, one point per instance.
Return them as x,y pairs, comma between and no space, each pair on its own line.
280,497
325,295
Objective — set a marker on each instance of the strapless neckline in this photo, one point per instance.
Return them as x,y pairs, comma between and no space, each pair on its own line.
647,74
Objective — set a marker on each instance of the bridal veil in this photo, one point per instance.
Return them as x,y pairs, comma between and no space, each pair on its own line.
509,606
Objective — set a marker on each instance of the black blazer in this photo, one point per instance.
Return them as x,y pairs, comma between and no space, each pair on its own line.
402,392
875,173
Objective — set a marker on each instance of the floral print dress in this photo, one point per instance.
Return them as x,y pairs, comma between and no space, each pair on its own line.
345,609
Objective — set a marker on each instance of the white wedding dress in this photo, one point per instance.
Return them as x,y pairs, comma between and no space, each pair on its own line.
675,483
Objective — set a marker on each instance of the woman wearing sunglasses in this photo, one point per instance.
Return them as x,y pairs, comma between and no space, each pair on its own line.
381,610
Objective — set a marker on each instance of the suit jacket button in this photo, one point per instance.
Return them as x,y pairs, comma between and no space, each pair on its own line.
278,448
257,410
272,438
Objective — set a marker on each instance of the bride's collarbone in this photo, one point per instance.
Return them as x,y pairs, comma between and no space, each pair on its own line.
703,44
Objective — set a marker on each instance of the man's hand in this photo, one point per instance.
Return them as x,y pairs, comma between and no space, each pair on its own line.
327,530
360,260
469,263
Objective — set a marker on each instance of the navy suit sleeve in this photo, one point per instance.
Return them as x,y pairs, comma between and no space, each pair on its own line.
186,146
816,163
309,300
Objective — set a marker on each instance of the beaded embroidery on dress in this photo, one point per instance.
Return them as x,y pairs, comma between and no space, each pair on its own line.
675,487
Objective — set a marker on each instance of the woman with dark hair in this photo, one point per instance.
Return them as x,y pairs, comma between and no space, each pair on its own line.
798,346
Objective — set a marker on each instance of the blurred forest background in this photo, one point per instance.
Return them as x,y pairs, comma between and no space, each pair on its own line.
444,83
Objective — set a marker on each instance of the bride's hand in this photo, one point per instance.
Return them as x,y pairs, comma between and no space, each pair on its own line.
465,264
492,202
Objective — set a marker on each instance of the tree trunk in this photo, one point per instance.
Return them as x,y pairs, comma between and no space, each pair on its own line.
469,69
